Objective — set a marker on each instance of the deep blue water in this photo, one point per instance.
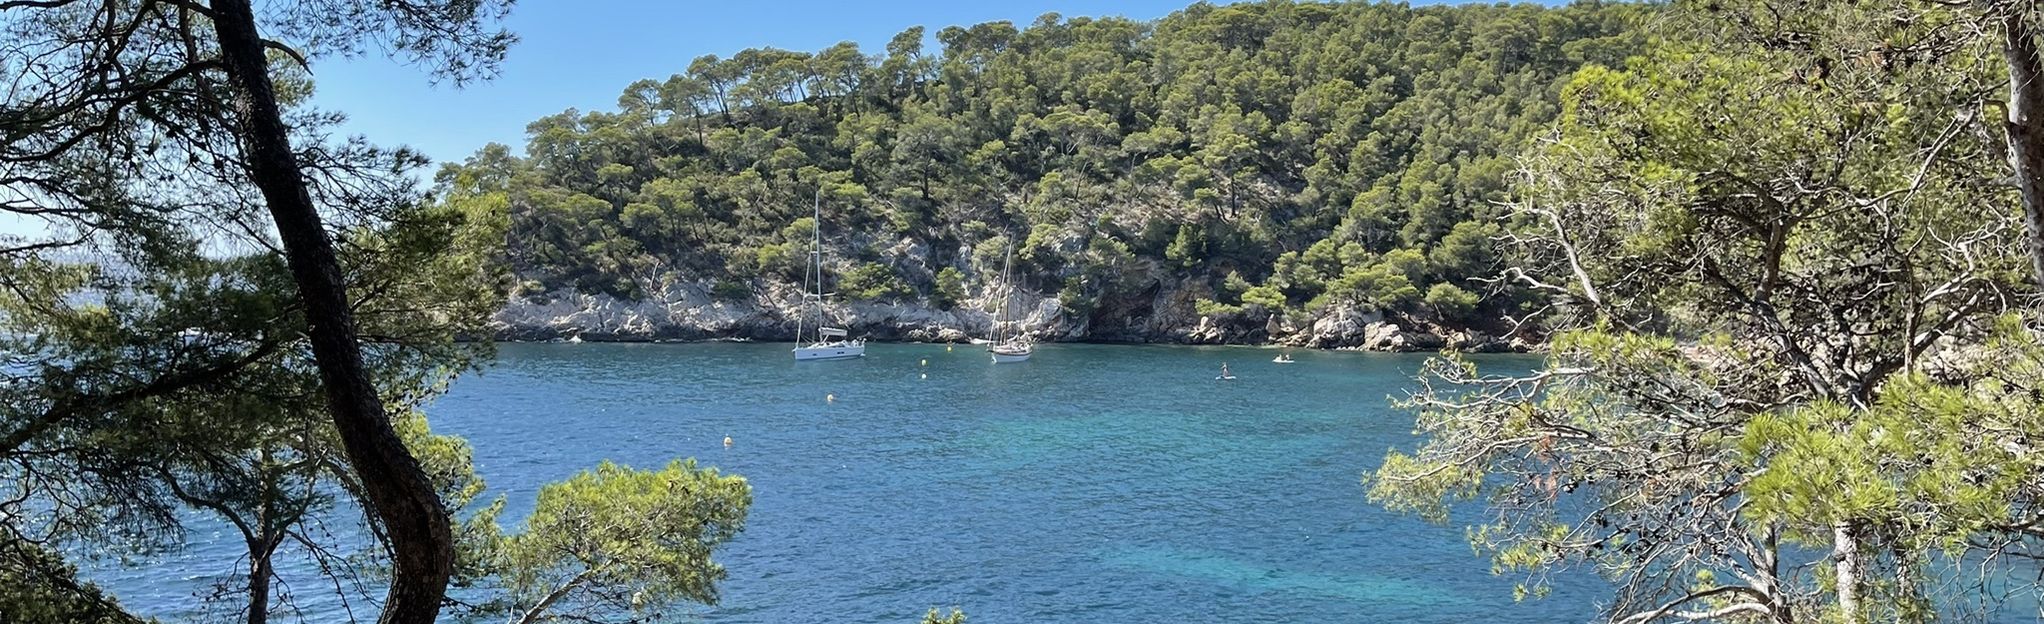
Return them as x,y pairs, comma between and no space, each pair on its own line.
1090,484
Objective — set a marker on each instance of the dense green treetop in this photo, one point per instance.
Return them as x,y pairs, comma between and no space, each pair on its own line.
1796,374
1317,153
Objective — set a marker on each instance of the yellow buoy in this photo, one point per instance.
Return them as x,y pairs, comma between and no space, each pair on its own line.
947,347
727,441
830,398
926,362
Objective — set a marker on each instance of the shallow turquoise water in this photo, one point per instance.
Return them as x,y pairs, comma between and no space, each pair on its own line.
1090,484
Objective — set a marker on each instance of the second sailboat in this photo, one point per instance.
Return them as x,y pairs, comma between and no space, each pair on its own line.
830,341
1009,346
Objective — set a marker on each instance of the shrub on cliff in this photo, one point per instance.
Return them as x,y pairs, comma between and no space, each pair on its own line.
873,282
950,288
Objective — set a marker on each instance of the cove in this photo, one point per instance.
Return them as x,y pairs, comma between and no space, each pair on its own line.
1093,483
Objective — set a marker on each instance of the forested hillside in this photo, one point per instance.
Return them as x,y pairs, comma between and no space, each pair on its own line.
1268,166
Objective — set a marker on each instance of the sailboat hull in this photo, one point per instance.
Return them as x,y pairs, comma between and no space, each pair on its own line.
1008,356
830,352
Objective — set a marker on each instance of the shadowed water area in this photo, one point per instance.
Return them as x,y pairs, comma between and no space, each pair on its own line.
1091,484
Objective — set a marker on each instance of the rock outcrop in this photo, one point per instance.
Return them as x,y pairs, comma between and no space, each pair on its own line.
684,311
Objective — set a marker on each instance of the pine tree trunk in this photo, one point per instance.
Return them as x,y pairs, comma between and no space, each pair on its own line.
1846,566
421,545
2026,127
259,572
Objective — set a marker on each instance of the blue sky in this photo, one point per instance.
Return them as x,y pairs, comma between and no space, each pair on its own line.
582,53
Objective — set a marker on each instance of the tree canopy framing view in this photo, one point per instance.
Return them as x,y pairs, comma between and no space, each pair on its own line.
1783,261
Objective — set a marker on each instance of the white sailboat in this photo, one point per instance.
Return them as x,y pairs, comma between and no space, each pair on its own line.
1008,346
830,341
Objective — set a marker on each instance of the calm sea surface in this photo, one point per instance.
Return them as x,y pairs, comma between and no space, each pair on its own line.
1090,484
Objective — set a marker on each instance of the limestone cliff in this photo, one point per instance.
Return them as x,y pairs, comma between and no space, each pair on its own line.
688,311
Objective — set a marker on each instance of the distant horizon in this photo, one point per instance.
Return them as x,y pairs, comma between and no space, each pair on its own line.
582,55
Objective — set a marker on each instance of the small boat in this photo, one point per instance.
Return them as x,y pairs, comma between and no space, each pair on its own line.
1283,358
1008,347
1225,375
831,342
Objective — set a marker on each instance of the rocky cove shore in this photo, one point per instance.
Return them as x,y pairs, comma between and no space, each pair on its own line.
690,312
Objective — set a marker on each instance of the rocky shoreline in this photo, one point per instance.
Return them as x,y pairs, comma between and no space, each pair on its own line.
683,312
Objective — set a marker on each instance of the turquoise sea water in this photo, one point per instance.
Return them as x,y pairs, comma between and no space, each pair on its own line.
1090,484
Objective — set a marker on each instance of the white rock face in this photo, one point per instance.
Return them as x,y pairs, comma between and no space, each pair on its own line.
691,311
688,311
1343,326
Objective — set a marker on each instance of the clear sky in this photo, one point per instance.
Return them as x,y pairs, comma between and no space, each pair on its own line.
582,53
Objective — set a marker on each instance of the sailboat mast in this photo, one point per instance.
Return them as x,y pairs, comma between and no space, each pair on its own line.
1007,292
816,212
815,300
